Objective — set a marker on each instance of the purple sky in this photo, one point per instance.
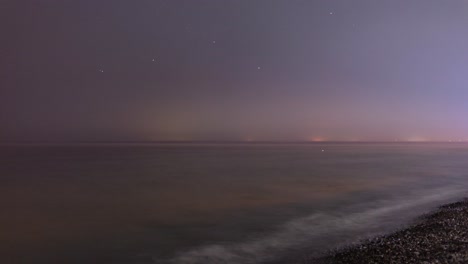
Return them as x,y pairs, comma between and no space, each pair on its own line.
234,70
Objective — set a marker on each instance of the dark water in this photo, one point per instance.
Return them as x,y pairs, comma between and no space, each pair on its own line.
214,203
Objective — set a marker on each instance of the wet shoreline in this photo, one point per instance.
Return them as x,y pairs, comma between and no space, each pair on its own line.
437,237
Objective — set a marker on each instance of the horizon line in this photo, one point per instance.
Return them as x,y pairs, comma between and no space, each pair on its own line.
220,141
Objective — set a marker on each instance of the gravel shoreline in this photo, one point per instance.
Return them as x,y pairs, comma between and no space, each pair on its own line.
439,237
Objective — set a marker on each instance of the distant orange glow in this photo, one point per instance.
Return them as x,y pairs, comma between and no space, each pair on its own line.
316,139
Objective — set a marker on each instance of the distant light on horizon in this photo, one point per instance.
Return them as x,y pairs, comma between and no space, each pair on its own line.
316,139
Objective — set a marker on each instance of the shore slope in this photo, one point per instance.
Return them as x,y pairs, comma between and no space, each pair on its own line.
439,237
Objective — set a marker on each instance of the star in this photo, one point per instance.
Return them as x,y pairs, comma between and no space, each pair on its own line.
101,70
331,13
153,60
214,41
258,68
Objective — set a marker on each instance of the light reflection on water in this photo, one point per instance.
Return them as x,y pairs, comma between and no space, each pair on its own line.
213,203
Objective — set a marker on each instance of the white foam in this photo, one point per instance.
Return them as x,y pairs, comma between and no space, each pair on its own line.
303,230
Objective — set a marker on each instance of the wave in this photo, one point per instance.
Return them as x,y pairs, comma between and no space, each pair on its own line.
320,230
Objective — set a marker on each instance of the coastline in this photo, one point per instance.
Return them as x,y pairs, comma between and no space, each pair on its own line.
438,237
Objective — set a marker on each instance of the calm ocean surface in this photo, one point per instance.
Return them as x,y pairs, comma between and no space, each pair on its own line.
214,203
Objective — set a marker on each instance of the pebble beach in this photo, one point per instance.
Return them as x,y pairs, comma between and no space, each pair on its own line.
438,237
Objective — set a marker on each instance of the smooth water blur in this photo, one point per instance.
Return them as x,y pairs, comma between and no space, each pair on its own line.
214,203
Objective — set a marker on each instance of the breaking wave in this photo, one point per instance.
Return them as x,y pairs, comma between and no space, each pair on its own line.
318,231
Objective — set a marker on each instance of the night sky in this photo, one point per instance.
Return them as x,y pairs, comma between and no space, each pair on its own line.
233,70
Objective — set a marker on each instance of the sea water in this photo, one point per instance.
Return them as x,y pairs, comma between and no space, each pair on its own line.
214,203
